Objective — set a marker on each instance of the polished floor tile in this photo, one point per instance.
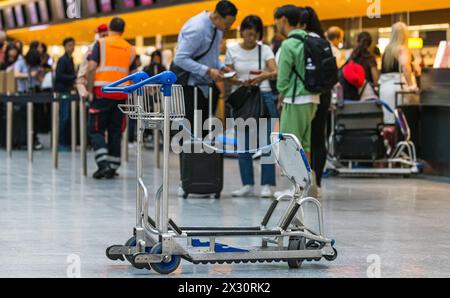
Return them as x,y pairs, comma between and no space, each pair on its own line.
49,218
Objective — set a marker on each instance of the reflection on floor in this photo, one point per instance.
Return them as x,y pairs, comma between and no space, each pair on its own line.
50,218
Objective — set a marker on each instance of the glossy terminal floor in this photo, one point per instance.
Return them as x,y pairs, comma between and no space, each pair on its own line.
48,216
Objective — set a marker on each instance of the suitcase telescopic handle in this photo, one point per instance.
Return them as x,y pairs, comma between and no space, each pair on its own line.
140,79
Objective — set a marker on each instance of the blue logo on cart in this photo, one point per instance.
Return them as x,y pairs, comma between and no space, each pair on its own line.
218,247
305,160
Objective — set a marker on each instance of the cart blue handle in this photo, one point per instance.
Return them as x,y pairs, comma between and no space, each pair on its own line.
390,110
140,79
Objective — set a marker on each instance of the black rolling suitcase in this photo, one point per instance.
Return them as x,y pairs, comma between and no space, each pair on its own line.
358,131
201,173
359,145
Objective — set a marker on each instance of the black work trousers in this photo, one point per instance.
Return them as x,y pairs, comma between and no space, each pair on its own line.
105,117
319,137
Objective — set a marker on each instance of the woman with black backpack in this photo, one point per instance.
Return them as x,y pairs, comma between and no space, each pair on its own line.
300,64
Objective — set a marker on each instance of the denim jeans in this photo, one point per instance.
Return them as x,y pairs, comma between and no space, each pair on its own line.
246,160
64,119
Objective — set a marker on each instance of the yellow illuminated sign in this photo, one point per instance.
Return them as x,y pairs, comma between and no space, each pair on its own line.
415,43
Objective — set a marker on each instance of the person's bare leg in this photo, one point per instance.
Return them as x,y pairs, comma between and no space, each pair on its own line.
313,190
276,127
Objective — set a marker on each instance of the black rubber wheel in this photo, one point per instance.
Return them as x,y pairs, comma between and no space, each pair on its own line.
185,196
113,257
164,267
132,242
296,243
217,196
333,257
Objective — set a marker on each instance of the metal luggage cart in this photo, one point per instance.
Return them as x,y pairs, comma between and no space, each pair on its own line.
401,160
160,244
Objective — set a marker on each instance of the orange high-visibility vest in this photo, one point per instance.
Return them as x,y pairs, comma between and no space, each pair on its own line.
116,57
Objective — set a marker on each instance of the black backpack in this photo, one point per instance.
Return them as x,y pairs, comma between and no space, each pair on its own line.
321,73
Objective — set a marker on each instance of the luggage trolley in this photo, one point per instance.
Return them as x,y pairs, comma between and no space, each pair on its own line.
346,155
160,244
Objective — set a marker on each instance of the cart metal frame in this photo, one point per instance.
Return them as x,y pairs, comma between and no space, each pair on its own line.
159,243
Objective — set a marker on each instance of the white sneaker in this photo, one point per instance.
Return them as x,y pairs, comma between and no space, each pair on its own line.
245,191
319,192
180,191
266,192
287,192
313,189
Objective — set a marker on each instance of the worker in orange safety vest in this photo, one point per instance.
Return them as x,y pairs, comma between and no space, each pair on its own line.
112,59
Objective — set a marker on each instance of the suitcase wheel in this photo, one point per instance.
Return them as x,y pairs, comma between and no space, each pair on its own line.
185,195
217,196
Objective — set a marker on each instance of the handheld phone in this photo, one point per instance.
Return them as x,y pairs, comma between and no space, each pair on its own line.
229,75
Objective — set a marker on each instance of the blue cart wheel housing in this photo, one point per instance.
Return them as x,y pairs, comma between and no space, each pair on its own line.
164,267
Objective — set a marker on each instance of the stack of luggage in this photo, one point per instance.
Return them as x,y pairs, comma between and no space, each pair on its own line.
358,131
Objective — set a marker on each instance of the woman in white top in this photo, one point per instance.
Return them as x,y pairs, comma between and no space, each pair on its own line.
245,58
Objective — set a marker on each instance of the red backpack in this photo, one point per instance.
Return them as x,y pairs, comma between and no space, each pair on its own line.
352,78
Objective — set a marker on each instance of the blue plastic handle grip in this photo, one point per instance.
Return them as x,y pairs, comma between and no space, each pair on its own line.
390,110
135,78
305,160
140,79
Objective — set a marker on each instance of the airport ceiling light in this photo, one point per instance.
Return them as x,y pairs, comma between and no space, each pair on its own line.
383,43
84,49
56,50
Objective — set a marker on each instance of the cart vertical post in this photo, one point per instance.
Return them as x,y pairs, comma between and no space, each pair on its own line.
166,151
139,167
124,144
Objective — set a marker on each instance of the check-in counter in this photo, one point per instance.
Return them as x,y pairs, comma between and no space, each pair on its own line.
430,122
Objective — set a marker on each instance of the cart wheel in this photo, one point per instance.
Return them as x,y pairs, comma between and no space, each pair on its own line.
113,257
296,243
164,267
217,196
333,257
185,196
132,242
